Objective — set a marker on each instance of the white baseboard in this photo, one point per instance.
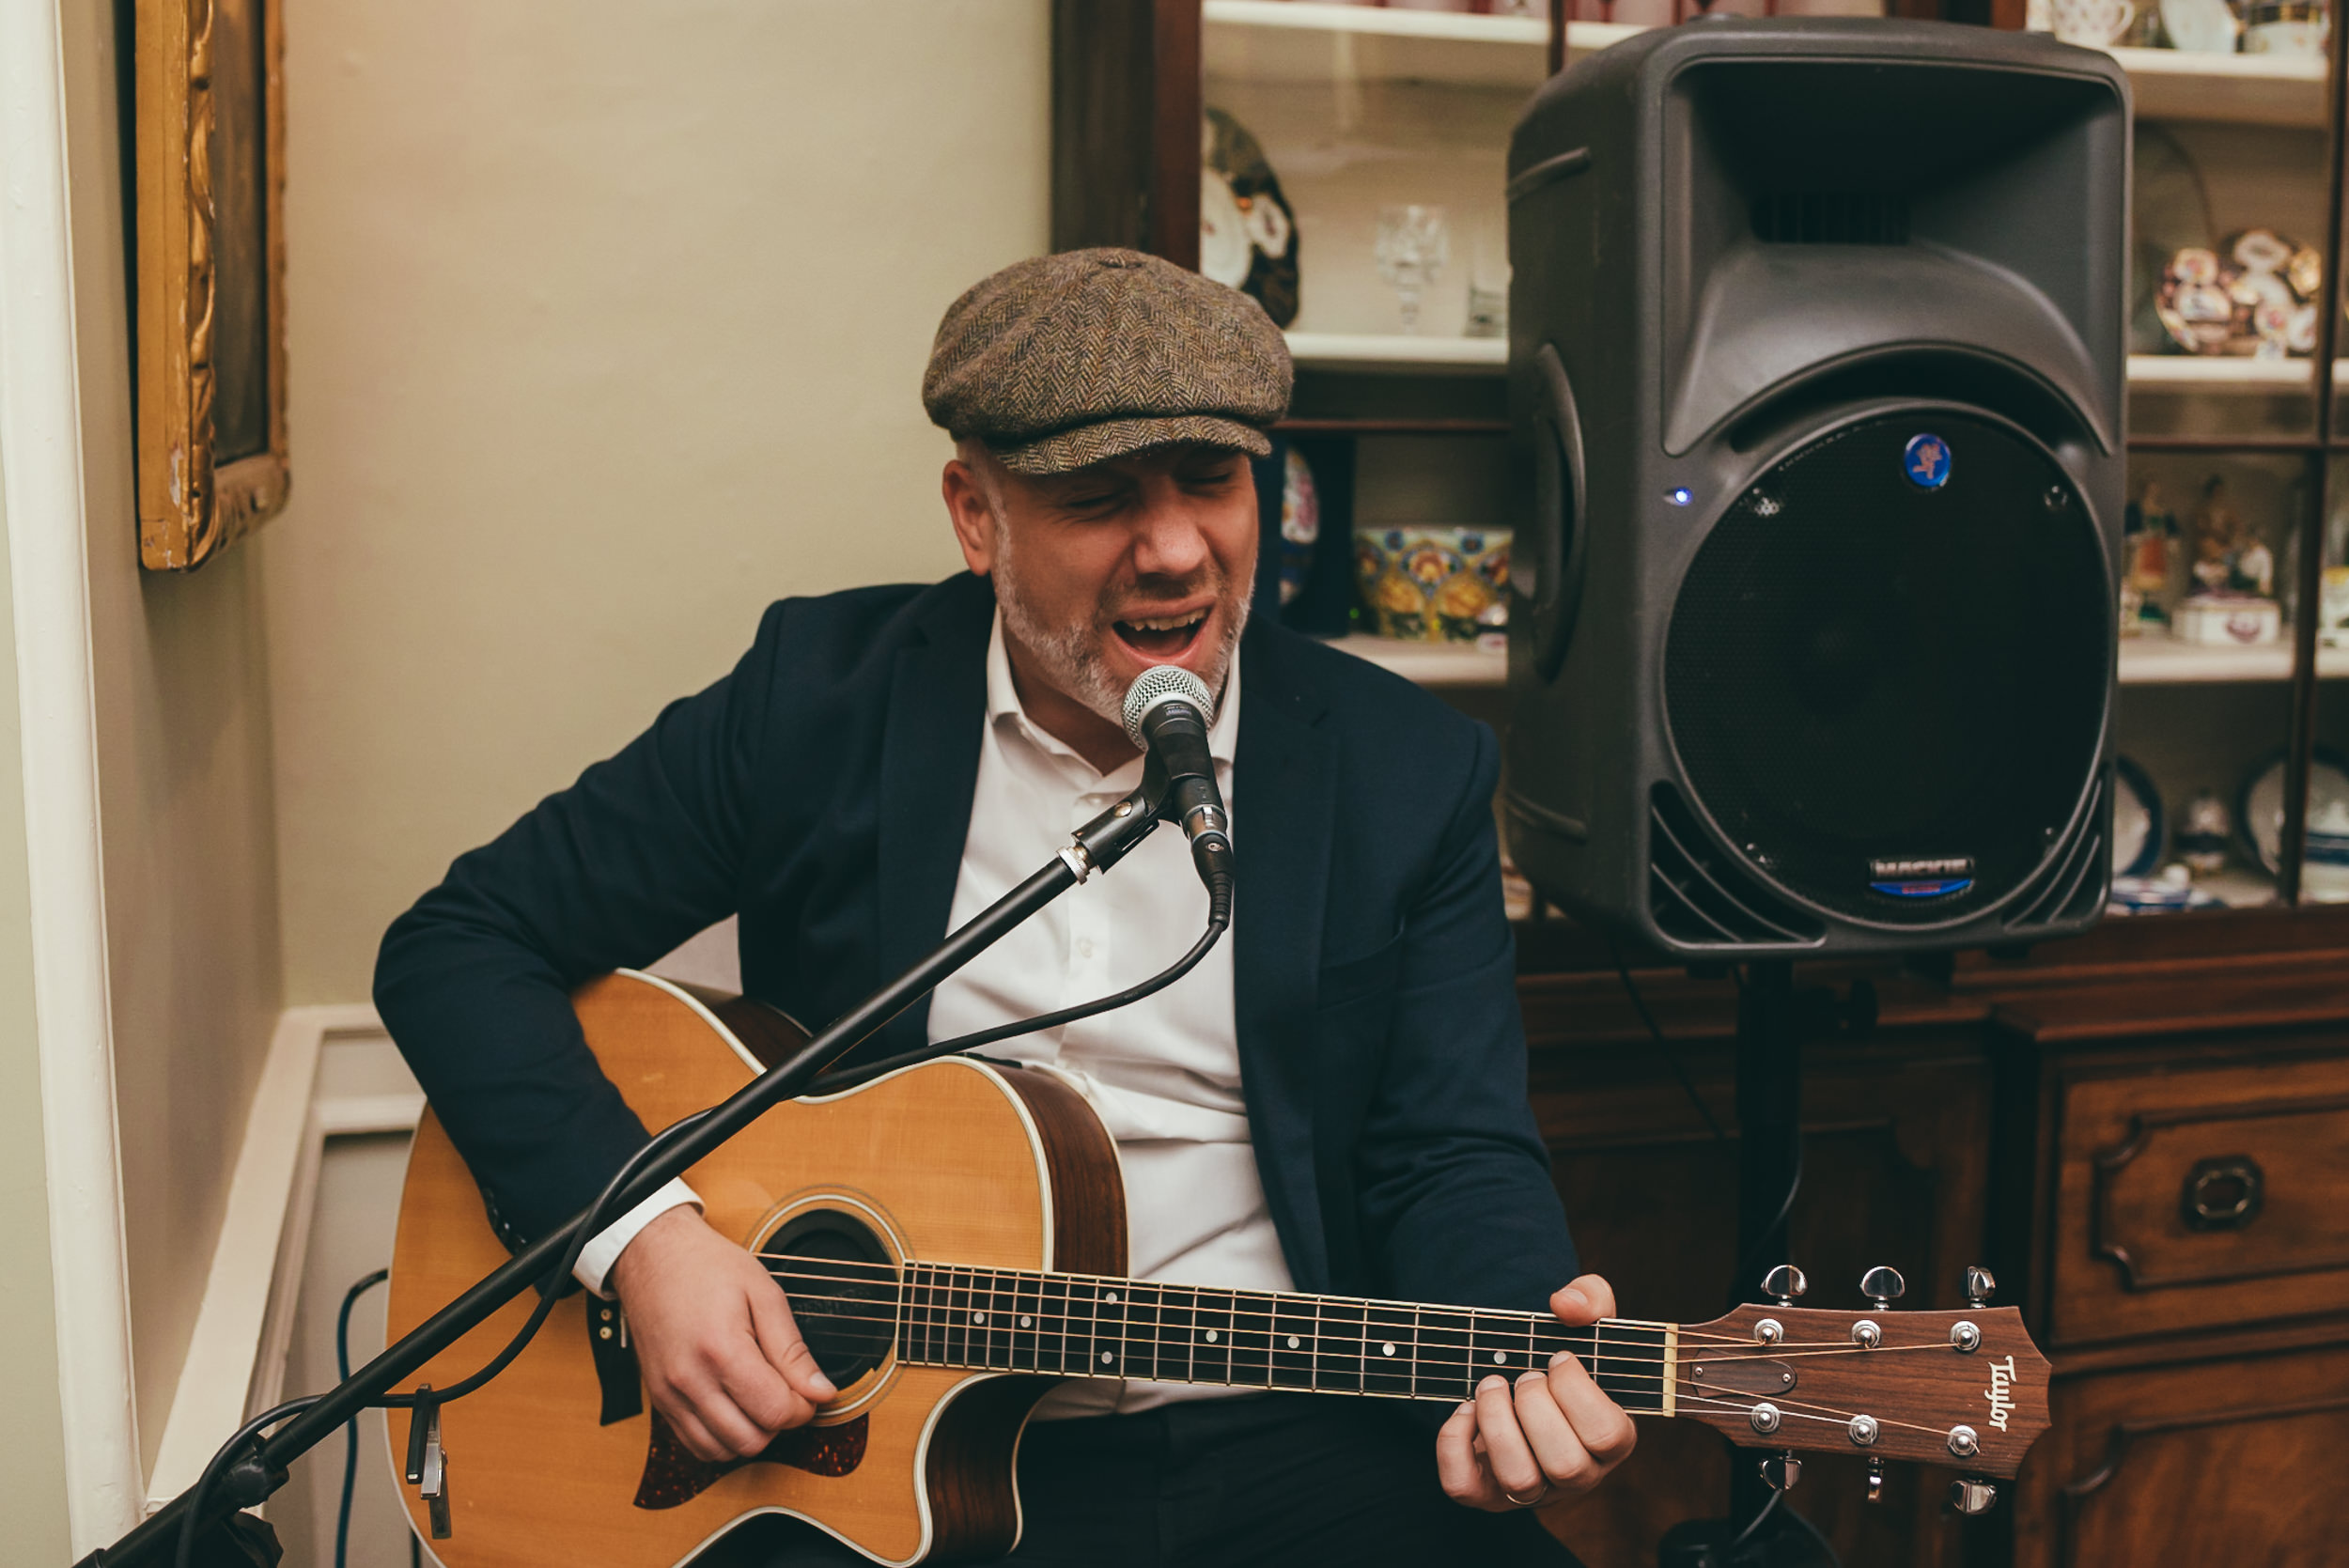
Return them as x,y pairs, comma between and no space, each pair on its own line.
331,1072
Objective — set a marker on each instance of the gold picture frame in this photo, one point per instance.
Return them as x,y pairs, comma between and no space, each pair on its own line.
208,98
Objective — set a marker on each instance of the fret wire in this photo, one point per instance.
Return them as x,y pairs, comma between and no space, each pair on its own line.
1313,1365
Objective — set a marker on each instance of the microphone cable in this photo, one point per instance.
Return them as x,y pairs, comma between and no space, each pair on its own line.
1218,920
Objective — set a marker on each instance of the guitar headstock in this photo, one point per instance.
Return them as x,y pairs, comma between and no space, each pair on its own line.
1963,1389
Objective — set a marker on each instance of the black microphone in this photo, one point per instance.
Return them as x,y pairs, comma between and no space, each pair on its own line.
1167,713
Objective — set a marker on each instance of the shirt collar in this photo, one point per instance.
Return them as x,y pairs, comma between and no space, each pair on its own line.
1003,704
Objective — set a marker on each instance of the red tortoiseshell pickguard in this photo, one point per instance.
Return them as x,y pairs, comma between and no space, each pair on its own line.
673,1476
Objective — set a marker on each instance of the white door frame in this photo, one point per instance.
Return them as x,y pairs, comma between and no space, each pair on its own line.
40,467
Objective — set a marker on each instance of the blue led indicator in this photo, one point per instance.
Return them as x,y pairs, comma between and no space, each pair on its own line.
1679,497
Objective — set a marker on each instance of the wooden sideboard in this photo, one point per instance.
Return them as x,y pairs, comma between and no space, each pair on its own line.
2144,1132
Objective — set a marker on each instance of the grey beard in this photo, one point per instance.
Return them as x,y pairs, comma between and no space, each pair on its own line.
1071,655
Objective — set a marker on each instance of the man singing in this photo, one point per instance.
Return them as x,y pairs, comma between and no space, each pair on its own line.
1333,1101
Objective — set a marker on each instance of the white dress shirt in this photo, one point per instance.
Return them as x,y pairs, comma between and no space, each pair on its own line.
1163,1073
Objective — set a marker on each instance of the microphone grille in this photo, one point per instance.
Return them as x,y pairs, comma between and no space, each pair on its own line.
1154,686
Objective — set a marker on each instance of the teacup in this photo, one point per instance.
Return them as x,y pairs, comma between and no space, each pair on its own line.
2092,22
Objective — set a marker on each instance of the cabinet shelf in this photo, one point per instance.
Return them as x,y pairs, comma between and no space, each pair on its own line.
1394,353
2144,661
2225,373
1301,40
1296,41
2236,89
1432,663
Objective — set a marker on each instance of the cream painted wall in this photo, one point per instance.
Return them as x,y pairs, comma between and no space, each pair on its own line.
32,1439
184,782
608,326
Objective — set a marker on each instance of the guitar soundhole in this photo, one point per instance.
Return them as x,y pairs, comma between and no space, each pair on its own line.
843,1288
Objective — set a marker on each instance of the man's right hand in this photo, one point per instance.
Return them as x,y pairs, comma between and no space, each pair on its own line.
722,1358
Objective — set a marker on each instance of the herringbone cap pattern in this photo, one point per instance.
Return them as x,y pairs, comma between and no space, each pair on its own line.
1062,361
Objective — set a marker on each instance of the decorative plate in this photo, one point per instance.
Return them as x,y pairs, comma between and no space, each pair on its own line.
2138,837
2260,804
1300,523
2254,295
1246,232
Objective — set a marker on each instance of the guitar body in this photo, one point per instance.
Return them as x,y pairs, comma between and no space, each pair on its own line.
953,1161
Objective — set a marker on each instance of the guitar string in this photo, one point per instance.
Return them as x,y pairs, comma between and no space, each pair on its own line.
938,1317
1155,1341
1689,1390
1814,1410
994,1285
982,1275
897,1274
1731,1351
1153,1338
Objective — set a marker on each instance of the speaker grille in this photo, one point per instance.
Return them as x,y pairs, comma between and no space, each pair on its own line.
1889,697
2074,887
1830,218
1700,897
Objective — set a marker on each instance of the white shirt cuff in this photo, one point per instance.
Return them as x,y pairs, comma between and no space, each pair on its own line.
597,1258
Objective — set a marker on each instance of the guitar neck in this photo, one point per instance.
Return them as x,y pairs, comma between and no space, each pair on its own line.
1083,1326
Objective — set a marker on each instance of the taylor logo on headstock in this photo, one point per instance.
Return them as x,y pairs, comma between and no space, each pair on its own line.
2001,1395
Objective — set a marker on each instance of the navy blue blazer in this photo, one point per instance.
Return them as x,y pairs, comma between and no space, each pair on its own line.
822,792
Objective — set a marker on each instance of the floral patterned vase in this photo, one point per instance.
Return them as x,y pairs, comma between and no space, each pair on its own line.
1434,585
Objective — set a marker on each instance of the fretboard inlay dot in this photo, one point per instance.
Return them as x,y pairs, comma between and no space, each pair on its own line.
1025,1321
1387,1350
978,1317
1294,1341
1501,1357
1212,1336
1105,1358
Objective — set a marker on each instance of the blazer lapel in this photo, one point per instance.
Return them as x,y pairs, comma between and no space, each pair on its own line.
1284,793
929,771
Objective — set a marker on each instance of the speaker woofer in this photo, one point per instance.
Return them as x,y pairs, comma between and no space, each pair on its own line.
1888,665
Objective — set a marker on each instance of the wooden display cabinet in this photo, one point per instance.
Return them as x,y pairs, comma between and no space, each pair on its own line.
2055,1112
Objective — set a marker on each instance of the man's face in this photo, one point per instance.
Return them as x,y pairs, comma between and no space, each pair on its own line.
1102,573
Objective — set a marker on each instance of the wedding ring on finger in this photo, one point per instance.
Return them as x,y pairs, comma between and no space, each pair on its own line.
1528,1503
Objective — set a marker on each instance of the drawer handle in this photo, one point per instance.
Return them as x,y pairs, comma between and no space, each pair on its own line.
2224,1194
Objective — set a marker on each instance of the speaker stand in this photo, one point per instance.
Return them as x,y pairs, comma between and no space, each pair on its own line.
1774,1019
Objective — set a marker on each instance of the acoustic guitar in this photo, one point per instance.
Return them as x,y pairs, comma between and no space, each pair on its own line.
953,1241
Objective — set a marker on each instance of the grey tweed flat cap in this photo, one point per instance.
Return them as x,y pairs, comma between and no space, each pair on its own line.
1064,361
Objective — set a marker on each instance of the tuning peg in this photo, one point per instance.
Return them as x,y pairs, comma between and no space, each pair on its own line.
1780,1470
1784,1282
1979,1284
1882,1286
1972,1495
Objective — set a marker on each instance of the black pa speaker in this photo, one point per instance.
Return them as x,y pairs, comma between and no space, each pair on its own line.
1816,351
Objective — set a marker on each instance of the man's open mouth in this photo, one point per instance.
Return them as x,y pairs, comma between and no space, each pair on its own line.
1161,638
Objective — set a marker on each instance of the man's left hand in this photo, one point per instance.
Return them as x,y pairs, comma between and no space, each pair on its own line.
1552,1435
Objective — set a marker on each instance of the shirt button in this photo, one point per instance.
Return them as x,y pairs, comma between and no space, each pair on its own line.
1084,947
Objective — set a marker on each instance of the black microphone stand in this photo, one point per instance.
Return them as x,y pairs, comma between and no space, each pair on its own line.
232,1484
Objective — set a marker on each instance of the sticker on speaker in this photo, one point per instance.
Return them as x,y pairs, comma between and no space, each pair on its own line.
1926,462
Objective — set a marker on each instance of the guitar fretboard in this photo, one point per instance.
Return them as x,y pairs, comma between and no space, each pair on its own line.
1084,1326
